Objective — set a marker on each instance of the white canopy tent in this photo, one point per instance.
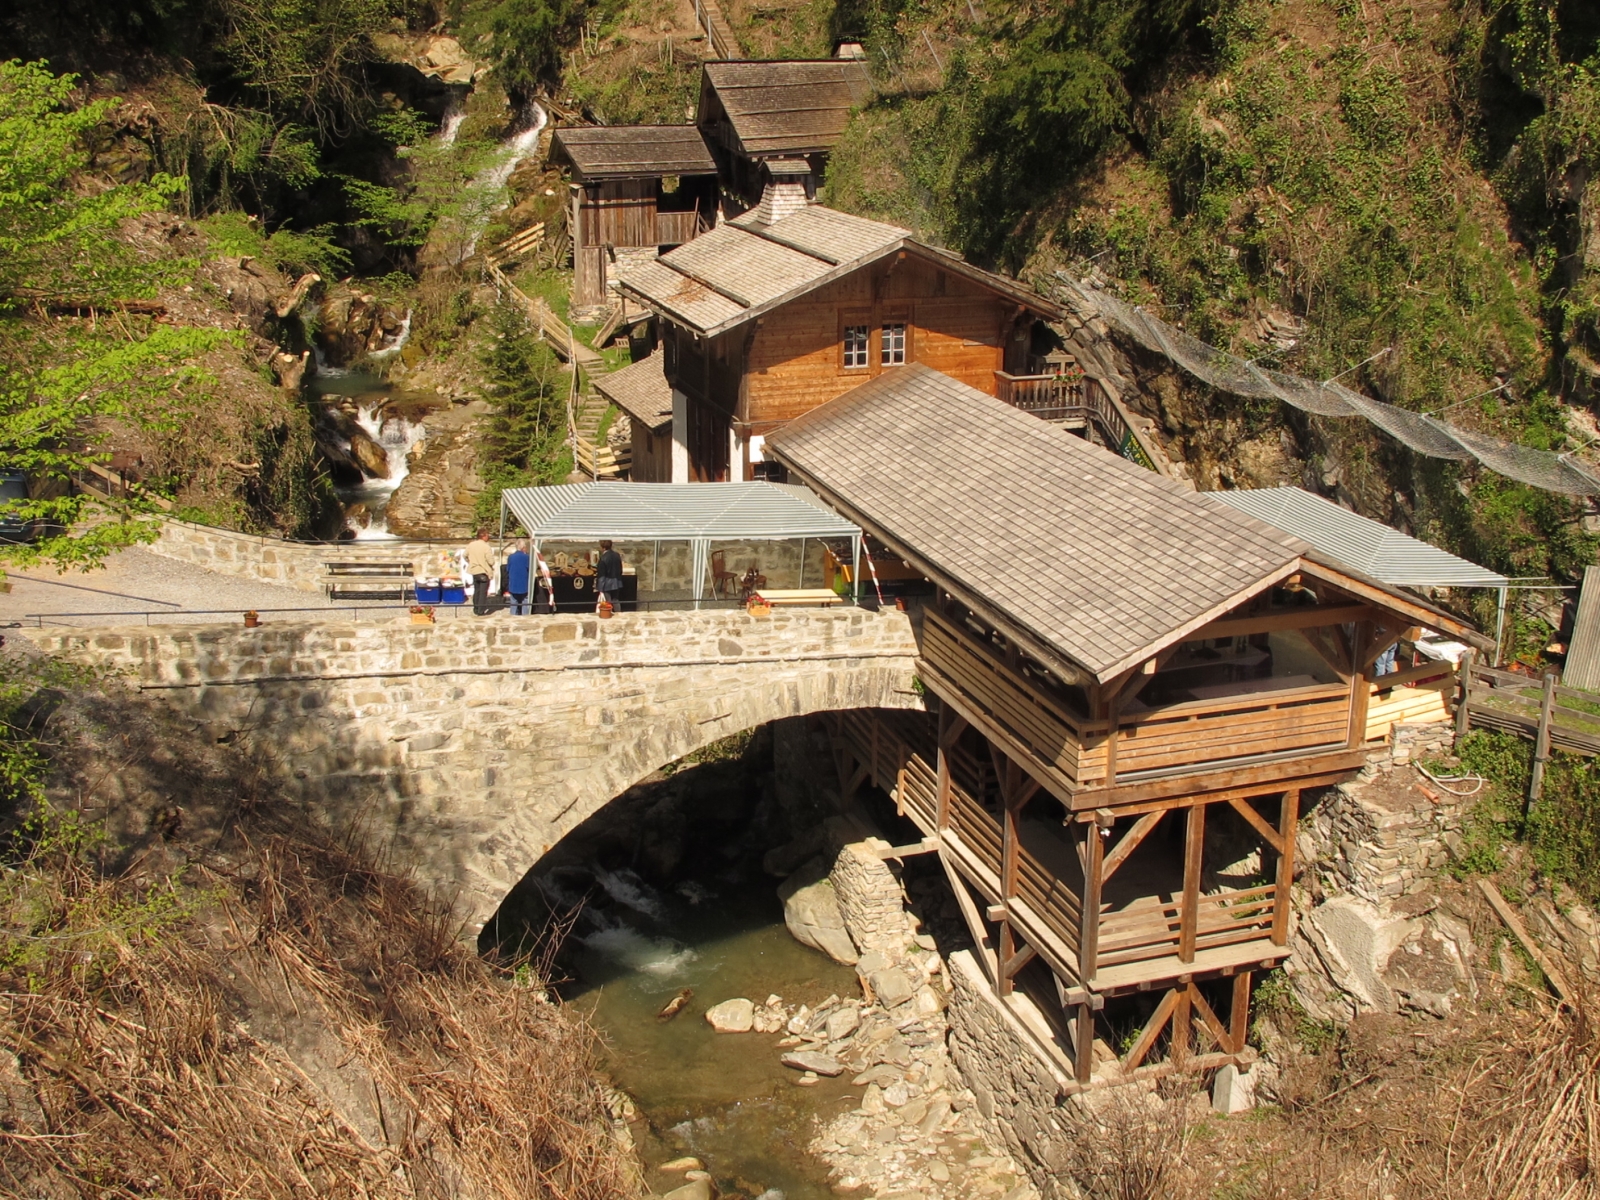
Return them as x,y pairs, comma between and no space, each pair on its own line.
697,513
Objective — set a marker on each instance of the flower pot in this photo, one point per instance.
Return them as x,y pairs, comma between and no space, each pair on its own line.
252,619
604,610
421,615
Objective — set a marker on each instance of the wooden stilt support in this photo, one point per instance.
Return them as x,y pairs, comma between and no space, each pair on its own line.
1083,1035
1093,856
974,919
1239,1012
1152,1030
1194,843
1288,826
1182,1019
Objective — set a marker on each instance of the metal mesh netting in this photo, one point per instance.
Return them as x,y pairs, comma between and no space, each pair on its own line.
1227,372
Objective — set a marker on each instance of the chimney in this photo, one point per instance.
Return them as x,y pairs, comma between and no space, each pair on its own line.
785,193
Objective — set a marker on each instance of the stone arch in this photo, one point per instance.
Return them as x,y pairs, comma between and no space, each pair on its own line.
725,703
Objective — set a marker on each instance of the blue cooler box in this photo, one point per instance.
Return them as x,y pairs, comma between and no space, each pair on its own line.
429,595
453,595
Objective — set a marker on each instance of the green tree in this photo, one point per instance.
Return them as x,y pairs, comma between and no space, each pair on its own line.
526,444
65,384
528,37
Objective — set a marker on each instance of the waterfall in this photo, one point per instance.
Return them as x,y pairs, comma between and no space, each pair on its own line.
395,346
486,192
455,112
320,366
398,437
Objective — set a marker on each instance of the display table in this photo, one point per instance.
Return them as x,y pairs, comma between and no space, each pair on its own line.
575,593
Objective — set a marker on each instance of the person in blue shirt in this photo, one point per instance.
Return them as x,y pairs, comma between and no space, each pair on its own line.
517,579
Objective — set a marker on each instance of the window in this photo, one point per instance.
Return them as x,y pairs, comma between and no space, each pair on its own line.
894,345
855,345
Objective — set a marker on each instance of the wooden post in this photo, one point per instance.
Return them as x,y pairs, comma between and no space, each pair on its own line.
941,800
1239,1012
1182,1018
1541,743
1084,1036
1194,844
1464,696
1089,920
1360,684
1288,826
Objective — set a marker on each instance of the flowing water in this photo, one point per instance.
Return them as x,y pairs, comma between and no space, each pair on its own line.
394,420
723,1098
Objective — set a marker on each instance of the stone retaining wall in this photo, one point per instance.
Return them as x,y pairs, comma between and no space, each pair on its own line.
475,745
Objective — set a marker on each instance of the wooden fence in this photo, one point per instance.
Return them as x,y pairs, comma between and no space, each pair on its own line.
1530,708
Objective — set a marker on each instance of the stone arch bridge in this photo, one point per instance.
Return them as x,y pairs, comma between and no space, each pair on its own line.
475,745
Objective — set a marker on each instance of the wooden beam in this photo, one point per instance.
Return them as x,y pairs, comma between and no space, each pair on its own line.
1089,918
1083,1035
1013,963
1181,789
1129,843
1414,612
911,849
1310,617
1008,951
1288,824
1360,687
1558,981
1152,1030
941,797
1239,1012
1247,810
1208,1018
1182,1021
1194,843
969,910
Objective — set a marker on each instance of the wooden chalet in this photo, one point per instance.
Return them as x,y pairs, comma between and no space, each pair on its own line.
641,391
792,304
634,187
755,112
1131,690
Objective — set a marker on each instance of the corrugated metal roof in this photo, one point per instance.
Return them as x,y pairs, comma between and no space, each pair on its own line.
641,390
1357,542
1582,668
1100,562
634,151
672,512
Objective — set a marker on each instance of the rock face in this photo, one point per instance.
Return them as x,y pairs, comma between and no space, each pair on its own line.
811,911
438,496
732,1016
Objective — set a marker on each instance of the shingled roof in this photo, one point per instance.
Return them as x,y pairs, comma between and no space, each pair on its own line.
633,151
745,267
784,108
1094,561
640,390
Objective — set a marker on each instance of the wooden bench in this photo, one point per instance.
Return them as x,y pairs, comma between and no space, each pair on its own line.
368,580
798,597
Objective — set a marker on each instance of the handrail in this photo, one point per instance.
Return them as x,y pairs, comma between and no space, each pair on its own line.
1243,701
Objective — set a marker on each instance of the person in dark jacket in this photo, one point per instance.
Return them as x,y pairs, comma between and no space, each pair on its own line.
517,581
608,576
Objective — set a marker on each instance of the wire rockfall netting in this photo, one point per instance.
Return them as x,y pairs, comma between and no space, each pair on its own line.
1547,469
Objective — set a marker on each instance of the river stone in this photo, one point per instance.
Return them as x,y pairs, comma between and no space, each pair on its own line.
687,1163
937,1112
700,1189
913,1111
811,1060
811,911
929,1001
843,1023
892,987
896,1094
872,1100
732,1016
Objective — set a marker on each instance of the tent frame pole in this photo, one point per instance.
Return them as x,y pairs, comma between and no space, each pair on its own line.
1500,628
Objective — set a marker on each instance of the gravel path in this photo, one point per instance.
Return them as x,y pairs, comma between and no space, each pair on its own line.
139,587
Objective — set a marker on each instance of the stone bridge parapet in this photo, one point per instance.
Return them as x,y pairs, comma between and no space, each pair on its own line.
474,746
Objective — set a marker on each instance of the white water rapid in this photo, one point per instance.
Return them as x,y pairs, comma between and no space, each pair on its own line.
394,347
454,114
398,437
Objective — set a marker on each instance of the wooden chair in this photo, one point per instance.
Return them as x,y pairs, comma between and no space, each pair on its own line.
753,581
722,579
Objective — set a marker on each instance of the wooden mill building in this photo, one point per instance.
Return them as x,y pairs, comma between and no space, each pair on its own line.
753,113
1132,690
782,309
634,188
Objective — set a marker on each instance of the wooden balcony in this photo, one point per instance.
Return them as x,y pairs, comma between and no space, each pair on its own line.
1048,397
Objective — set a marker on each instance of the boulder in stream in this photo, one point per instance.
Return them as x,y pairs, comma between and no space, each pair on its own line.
813,1060
811,911
732,1016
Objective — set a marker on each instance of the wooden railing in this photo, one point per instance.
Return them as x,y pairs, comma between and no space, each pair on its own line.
1522,705
1414,694
1152,928
1081,399
1203,733
676,228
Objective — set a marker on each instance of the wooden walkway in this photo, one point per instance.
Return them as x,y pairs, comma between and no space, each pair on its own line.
708,15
